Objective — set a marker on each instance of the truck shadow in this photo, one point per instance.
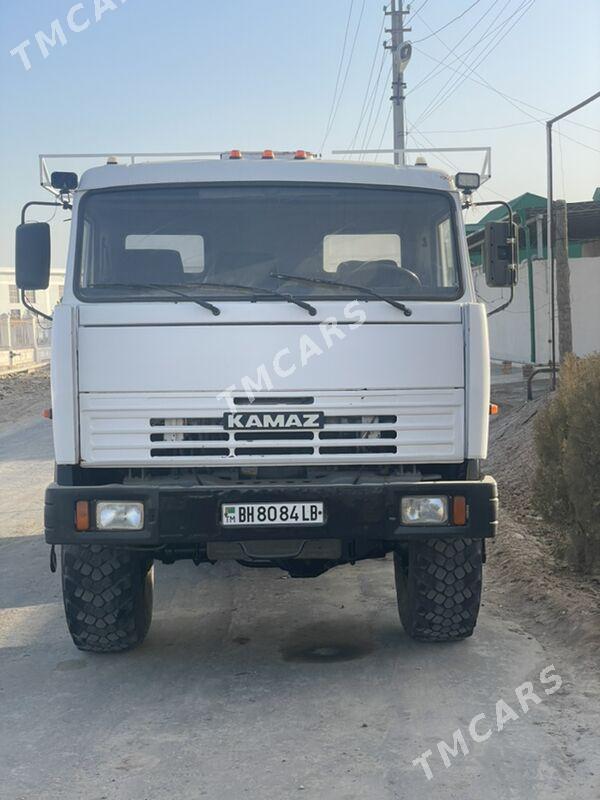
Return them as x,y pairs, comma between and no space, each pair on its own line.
247,623
324,643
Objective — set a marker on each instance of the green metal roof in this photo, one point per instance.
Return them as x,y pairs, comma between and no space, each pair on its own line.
525,202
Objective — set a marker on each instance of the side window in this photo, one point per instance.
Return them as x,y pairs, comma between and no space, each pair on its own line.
340,248
189,247
86,253
446,265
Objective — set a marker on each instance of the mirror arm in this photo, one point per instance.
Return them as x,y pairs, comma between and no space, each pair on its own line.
504,305
64,203
66,206
498,203
31,308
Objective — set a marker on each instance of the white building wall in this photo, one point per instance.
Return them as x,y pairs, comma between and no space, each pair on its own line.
44,300
510,329
26,340
585,296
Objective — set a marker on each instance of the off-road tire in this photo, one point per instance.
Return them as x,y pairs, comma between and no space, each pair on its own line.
438,586
107,595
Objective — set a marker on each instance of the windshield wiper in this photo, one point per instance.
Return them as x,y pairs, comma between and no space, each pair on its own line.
326,282
257,291
165,287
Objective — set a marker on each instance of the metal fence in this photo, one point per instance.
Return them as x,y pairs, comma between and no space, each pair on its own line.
23,340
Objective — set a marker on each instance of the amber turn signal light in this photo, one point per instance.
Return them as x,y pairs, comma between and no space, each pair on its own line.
459,510
82,515
494,409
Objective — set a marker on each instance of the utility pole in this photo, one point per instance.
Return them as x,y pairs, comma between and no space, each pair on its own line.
401,52
563,279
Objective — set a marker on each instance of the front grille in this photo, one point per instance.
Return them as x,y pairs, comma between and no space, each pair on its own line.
352,434
274,401
411,426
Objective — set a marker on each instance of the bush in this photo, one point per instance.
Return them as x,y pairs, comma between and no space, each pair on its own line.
567,439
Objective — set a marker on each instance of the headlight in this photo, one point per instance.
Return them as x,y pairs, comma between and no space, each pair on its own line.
114,516
423,510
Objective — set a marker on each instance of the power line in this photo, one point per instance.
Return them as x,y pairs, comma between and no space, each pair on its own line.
488,128
448,161
447,25
457,57
368,89
373,99
348,65
339,74
417,12
444,95
576,141
429,143
437,70
492,45
514,101
383,132
378,114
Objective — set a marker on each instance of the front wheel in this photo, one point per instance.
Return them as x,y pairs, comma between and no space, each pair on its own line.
438,586
107,595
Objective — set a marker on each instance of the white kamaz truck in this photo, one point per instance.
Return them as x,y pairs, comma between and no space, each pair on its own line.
276,360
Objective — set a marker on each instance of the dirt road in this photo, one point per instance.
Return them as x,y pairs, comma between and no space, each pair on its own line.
253,685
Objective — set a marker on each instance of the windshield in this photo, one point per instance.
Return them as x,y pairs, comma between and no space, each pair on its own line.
397,242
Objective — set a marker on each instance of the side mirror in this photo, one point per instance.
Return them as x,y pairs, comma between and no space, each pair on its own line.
498,255
32,256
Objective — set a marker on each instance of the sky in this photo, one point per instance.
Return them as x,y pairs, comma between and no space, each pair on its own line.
189,75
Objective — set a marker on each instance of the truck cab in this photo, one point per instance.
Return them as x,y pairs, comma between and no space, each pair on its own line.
276,360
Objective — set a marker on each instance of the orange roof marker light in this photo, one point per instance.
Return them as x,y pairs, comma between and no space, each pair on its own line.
494,409
235,155
268,155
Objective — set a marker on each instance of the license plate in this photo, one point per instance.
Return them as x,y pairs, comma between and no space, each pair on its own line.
237,514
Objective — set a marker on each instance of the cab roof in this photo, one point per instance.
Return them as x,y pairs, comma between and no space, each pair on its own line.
285,171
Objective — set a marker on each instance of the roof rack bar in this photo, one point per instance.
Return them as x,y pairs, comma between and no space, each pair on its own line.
45,181
130,154
486,170
133,158
45,178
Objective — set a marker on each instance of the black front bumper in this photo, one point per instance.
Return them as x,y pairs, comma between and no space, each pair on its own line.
189,516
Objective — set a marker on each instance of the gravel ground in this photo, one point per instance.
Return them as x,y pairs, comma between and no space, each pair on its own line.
526,566
22,396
